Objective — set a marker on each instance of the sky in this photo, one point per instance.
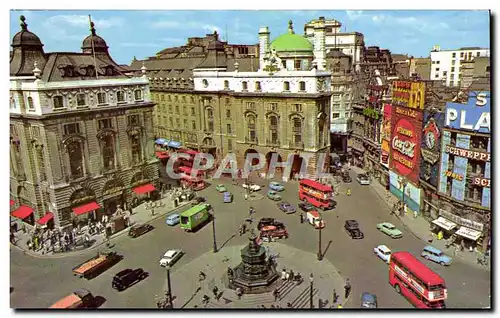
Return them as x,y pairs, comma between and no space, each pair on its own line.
143,33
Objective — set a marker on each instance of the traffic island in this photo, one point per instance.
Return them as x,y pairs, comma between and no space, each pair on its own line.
188,289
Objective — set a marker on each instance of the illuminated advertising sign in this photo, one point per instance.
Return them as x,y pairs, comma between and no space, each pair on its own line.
473,116
430,147
406,126
386,136
408,94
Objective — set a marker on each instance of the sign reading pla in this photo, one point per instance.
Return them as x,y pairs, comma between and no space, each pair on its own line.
473,116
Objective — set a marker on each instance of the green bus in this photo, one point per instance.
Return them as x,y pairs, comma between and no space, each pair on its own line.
195,217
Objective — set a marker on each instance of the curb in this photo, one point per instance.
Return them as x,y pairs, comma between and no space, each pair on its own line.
74,253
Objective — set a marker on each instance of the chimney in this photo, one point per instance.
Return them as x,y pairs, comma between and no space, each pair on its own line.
319,45
263,44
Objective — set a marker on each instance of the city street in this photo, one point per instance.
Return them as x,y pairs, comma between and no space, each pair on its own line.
40,282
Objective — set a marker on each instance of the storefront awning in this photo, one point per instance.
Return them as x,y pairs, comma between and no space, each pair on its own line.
92,206
46,218
174,144
161,141
22,212
161,155
468,233
12,202
146,188
444,223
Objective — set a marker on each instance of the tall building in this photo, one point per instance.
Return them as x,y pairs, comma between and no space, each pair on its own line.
476,73
276,103
446,65
420,67
81,134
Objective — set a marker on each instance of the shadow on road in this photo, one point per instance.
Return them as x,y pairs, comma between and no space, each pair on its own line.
191,298
99,301
327,247
227,241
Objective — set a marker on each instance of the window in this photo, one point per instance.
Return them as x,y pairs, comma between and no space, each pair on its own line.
297,64
273,129
251,128
302,86
437,69
193,125
162,98
453,55
297,130
284,64
192,100
228,113
478,54
452,62
70,129
228,101
75,153
297,107
134,120
487,68
108,152
461,54
452,69
210,125
205,83
185,124
286,86
170,109
183,99
251,105
229,129
445,73
138,94
31,105
193,113
135,148
210,113
178,122
105,123
226,84
257,86
13,102
273,107
101,98
244,86
41,163
58,102
171,121
437,62
177,109
335,115
229,145
184,111
120,97
436,75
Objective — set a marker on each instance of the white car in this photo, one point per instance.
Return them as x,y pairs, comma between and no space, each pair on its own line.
383,252
253,187
363,179
170,257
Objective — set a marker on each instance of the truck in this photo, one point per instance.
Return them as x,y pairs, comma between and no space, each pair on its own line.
314,218
96,265
195,217
81,298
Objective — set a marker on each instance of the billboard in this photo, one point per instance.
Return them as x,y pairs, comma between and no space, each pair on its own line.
473,116
430,147
411,192
408,94
406,133
386,136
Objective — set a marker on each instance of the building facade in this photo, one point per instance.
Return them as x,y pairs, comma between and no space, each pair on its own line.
446,65
420,67
80,136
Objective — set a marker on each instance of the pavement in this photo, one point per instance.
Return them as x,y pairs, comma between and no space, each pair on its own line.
188,290
39,282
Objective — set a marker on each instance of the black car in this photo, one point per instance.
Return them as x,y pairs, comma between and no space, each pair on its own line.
352,228
269,221
306,207
346,179
139,229
128,277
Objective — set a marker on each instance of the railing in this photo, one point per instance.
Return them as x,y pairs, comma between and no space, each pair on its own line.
271,142
296,144
254,140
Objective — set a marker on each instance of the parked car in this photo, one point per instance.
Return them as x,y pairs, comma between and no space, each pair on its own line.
352,228
128,277
253,187
431,253
271,232
173,219
276,186
383,252
220,188
270,222
139,229
306,206
286,207
170,257
273,195
199,200
389,229
368,300
363,179
228,197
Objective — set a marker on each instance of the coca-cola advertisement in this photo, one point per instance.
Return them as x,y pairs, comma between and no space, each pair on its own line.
406,127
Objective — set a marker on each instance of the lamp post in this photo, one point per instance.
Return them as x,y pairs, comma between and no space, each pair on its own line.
168,301
311,286
320,254
213,230
404,182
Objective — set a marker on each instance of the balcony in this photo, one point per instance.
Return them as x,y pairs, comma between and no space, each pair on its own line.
296,145
250,140
297,130
271,142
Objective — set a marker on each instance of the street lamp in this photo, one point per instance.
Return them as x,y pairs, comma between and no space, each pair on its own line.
213,230
320,225
404,182
311,286
168,301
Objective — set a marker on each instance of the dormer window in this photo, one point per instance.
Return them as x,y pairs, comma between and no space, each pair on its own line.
90,71
286,86
101,98
58,102
69,71
81,100
244,86
302,86
110,71
226,84
120,97
138,95
257,86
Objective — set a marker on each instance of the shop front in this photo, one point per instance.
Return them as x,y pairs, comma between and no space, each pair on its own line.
23,215
46,221
84,206
470,234
113,197
445,226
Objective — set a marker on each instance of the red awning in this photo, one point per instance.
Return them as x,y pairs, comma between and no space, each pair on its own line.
22,212
146,188
46,218
12,202
92,206
161,155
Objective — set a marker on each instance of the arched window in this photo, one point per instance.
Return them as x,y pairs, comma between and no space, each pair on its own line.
226,84
297,130
252,133
101,98
210,113
81,100
273,130
75,153
42,174
120,97
286,86
31,105
108,152
205,83
135,147
210,119
257,86
321,133
244,86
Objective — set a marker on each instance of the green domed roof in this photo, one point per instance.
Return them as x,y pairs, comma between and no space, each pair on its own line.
291,42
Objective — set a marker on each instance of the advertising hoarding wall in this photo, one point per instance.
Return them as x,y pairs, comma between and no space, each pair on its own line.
386,136
412,193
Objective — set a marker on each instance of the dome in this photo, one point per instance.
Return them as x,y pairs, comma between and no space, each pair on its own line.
25,37
99,44
291,42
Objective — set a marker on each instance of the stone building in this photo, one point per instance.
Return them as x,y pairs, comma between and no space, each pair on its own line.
81,133
420,67
474,72
276,103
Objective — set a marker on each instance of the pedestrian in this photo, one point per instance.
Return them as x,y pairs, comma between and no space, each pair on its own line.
415,214
289,305
283,274
287,276
339,306
291,275
301,218
215,291
239,292
276,294
347,288
335,296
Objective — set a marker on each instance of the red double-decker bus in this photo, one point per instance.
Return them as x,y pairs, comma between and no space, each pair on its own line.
318,194
417,282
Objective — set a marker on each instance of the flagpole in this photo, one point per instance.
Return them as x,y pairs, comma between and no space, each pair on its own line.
92,31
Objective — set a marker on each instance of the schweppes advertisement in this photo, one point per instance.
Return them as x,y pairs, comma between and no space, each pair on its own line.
408,94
